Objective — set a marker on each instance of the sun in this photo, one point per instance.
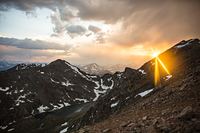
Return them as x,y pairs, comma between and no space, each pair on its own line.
155,54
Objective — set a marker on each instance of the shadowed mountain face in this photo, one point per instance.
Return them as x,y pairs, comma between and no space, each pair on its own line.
61,97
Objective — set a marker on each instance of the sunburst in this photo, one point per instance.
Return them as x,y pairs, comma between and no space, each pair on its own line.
156,69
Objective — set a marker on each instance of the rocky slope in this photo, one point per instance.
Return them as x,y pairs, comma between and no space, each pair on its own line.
60,97
135,105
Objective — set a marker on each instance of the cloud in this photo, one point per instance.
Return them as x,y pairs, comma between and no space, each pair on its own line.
59,25
152,20
12,53
151,23
32,44
94,28
75,30
99,35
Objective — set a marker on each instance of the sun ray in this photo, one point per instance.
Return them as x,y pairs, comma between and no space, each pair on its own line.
156,72
163,65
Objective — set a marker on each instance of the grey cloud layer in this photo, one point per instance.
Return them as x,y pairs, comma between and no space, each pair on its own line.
31,44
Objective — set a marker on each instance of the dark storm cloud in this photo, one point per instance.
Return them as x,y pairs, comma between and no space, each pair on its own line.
143,20
31,44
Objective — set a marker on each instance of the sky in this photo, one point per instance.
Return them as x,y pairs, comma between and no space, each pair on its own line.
105,32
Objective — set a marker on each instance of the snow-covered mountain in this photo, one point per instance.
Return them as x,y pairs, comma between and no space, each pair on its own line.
94,69
4,65
28,90
116,68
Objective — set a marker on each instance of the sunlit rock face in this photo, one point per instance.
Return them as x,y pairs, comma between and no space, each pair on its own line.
60,97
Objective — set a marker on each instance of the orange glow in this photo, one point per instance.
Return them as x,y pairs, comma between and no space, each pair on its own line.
156,71
155,54
163,65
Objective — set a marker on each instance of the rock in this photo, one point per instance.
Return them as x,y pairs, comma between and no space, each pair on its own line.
106,131
186,113
151,129
130,124
164,112
155,122
82,131
125,124
144,118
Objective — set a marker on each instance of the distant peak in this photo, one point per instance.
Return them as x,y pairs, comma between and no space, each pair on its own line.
60,61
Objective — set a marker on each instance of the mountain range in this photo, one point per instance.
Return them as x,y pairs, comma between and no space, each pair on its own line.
96,69
92,68
60,97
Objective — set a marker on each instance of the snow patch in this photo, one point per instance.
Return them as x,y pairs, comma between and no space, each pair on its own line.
168,77
98,92
77,71
142,94
9,130
64,124
54,81
114,104
42,108
142,71
185,44
107,87
113,98
6,89
79,99
19,99
59,106
3,127
64,130
66,83
101,85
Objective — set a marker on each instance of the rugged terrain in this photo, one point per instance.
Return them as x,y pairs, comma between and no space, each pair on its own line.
59,97
173,106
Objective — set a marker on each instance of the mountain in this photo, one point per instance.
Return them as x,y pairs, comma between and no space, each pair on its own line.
29,90
94,69
116,68
4,65
136,105
59,97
